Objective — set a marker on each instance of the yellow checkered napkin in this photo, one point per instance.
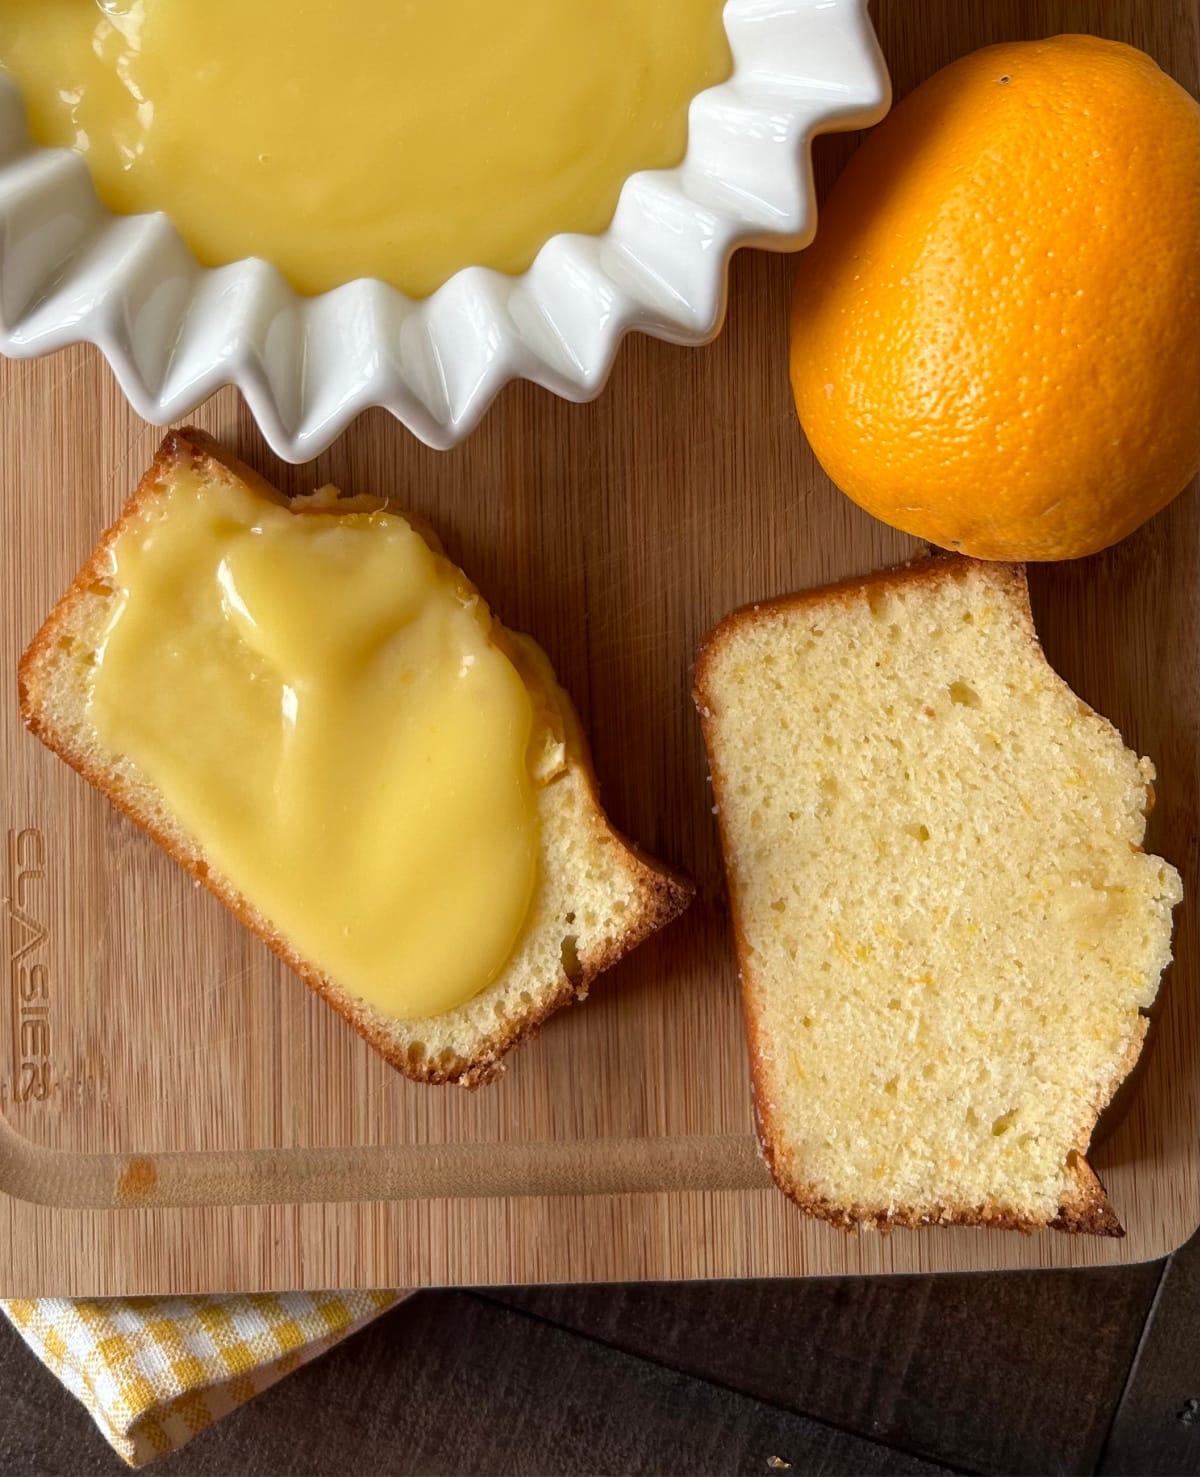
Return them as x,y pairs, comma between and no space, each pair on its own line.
154,1372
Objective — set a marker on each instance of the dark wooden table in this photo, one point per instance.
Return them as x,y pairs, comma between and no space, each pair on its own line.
1095,1371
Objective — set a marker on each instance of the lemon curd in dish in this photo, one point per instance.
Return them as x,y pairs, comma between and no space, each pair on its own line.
397,139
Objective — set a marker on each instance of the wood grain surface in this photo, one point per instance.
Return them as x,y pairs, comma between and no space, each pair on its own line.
454,1384
980,1372
1005,1373
617,533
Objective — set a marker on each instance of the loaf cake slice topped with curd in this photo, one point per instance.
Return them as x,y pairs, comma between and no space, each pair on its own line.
947,928
315,712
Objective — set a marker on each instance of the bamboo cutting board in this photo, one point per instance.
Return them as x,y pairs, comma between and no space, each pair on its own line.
178,1114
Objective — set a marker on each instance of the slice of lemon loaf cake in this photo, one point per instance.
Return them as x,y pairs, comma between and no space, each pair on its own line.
315,713
947,928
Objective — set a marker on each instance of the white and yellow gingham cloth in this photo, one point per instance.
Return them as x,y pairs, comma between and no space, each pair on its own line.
154,1372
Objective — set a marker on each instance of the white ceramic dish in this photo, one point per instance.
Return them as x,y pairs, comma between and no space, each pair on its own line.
175,331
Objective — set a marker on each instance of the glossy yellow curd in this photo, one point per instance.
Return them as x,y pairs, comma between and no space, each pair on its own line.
398,139
318,698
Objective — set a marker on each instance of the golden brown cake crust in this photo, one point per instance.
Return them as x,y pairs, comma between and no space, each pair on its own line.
662,893
1088,1210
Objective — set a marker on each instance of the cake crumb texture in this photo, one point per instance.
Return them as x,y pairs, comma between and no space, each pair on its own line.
948,931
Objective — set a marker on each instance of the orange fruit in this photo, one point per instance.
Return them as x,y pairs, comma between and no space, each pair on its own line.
996,333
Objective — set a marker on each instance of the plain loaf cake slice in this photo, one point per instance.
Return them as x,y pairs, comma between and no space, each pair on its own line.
946,926
595,896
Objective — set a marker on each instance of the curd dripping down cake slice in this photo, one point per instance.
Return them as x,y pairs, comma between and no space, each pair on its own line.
947,928
315,712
